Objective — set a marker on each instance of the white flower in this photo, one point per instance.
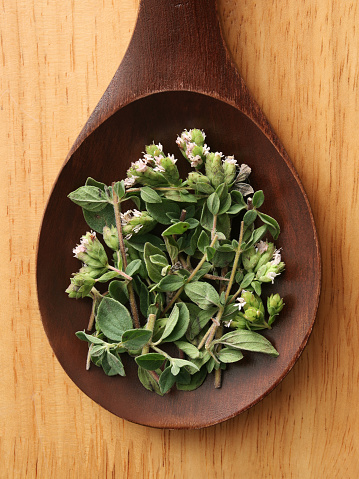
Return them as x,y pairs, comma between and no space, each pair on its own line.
80,248
241,303
219,153
128,237
137,228
179,141
159,146
196,161
277,258
147,157
130,181
141,166
231,160
172,158
189,148
262,246
205,150
136,213
271,275
159,169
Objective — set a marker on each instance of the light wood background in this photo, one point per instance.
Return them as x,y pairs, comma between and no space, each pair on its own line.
300,60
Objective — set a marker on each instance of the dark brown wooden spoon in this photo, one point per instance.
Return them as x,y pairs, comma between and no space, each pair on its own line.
177,74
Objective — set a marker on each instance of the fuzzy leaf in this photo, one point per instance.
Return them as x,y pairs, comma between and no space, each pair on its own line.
248,341
90,198
176,229
149,195
203,294
150,361
113,319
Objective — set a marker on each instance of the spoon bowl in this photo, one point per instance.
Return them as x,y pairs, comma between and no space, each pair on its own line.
153,97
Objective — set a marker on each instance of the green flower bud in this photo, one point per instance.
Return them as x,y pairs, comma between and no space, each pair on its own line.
81,285
266,251
110,237
230,169
167,167
275,304
250,259
91,252
154,150
136,222
140,172
214,169
199,182
197,136
269,271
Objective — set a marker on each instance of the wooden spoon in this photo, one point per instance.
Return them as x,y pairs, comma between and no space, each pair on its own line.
177,74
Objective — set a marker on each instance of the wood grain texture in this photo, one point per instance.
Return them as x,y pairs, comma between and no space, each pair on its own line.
300,61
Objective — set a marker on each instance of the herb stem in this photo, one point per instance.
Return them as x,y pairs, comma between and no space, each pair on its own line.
190,277
213,232
149,326
121,273
235,263
131,293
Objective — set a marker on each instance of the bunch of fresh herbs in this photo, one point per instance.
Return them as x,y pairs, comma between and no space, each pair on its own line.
178,286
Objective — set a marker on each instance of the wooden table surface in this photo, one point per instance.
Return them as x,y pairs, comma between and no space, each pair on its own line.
300,61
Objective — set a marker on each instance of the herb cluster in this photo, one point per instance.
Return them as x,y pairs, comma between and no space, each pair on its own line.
183,296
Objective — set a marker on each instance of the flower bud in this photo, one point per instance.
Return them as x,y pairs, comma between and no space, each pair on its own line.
144,174
250,259
275,304
91,252
167,166
81,285
269,271
136,222
197,136
214,169
266,251
230,169
154,150
199,182
110,237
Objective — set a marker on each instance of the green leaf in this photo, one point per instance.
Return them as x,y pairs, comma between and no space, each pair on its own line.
97,220
149,195
89,338
206,218
133,267
256,236
229,355
91,182
167,380
112,365
154,270
171,323
138,242
171,282
159,259
193,223
148,381
133,339
197,380
249,217
180,363
236,208
150,361
273,226
171,247
247,280
213,203
258,199
90,198
181,326
238,198
203,241
118,291
119,189
210,252
203,294
161,212
224,225
113,318
107,276
248,341
188,348
257,286
176,229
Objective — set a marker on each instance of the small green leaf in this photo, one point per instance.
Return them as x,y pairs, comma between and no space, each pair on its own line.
119,189
107,276
176,229
213,203
118,291
210,252
248,341
150,361
188,348
170,283
149,195
229,355
181,326
171,323
89,338
249,217
113,319
199,318
203,241
90,198
159,259
161,211
273,226
258,199
97,220
203,294
148,381
133,339
197,380
133,267
180,363
167,380
247,280
154,270
115,365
